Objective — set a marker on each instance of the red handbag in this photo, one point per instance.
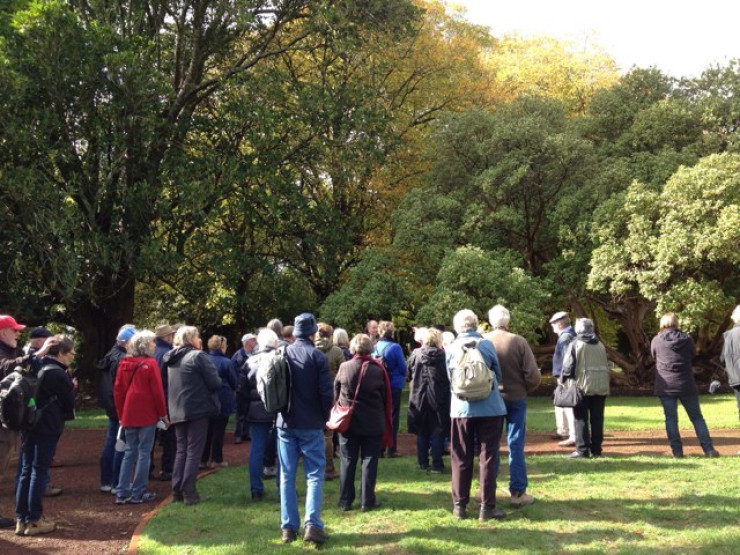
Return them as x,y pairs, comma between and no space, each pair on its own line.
340,417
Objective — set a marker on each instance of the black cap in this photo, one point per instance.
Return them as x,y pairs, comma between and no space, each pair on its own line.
41,332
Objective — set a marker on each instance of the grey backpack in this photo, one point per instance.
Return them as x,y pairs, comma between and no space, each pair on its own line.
471,380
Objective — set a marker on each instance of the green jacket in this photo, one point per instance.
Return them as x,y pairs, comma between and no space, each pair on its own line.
585,360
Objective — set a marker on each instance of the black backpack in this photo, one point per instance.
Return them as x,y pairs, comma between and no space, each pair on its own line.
18,410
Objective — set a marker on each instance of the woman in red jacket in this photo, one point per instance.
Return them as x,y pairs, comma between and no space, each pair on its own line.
139,399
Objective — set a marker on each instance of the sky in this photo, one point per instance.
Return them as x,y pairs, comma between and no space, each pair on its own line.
679,38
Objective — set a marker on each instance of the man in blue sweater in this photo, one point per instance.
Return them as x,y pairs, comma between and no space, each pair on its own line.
301,432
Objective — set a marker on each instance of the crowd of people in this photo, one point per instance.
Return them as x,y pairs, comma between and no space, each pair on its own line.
162,385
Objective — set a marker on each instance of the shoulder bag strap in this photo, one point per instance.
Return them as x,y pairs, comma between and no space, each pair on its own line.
359,381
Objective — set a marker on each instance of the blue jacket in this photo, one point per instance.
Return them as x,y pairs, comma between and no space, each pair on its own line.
564,339
394,360
311,392
494,404
227,373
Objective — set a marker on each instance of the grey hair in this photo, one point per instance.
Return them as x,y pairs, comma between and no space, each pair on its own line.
465,320
185,336
361,344
267,337
138,345
584,325
499,317
736,315
341,338
669,320
276,326
432,337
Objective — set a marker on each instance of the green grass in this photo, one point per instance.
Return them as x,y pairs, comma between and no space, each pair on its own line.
622,414
613,505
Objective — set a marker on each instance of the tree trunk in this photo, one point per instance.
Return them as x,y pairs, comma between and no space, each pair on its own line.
98,326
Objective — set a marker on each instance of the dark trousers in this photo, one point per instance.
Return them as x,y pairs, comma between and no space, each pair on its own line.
270,458
693,410
241,427
395,416
591,410
434,442
463,433
214,447
353,448
168,441
191,437
35,461
110,459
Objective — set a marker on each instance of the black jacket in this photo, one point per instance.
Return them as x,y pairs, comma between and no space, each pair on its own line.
673,351
429,401
55,398
10,358
193,385
108,366
368,418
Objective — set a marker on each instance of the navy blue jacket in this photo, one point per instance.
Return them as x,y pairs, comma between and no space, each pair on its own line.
227,373
161,349
312,394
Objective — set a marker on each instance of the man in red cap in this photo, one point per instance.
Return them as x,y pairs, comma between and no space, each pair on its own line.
9,360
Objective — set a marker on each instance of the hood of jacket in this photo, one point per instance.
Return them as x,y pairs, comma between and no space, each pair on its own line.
675,339
175,355
589,337
430,355
323,344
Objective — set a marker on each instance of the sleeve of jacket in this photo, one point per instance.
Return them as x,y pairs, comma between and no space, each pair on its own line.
8,365
326,391
532,375
65,395
410,366
233,373
119,394
399,361
569,360
209,372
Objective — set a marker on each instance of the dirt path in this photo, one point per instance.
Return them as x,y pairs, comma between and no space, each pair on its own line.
91,524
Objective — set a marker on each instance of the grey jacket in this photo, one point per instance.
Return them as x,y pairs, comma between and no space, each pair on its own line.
193,385
730,356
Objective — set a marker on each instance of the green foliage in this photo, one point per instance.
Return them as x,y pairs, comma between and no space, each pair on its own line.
476,279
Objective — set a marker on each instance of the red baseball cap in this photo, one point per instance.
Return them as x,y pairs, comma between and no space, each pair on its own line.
9,322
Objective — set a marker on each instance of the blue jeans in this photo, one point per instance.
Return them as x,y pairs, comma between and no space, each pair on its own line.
291,443
691,405
435,442
516,431
110,459
36,454
262,434
139,442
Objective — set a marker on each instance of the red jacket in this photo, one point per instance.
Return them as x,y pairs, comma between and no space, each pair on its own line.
139,397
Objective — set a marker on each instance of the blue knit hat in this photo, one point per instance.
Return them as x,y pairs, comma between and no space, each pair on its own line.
305,325
126,333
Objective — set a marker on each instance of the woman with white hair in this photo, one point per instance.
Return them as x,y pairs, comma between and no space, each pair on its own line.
429,401
139,400
731,355
193,399
261,422
585,361
471,419
673,351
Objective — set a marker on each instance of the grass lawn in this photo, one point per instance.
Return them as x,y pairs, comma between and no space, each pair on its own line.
622,414
609,505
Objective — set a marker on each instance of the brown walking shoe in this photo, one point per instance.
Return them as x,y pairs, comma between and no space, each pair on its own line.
314,534
41,526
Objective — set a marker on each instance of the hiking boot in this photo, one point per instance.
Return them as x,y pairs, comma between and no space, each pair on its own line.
521,499
51,491
314,534
145,498
713,454
289,535
20,528
488,513
41,526
459,511
567,443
